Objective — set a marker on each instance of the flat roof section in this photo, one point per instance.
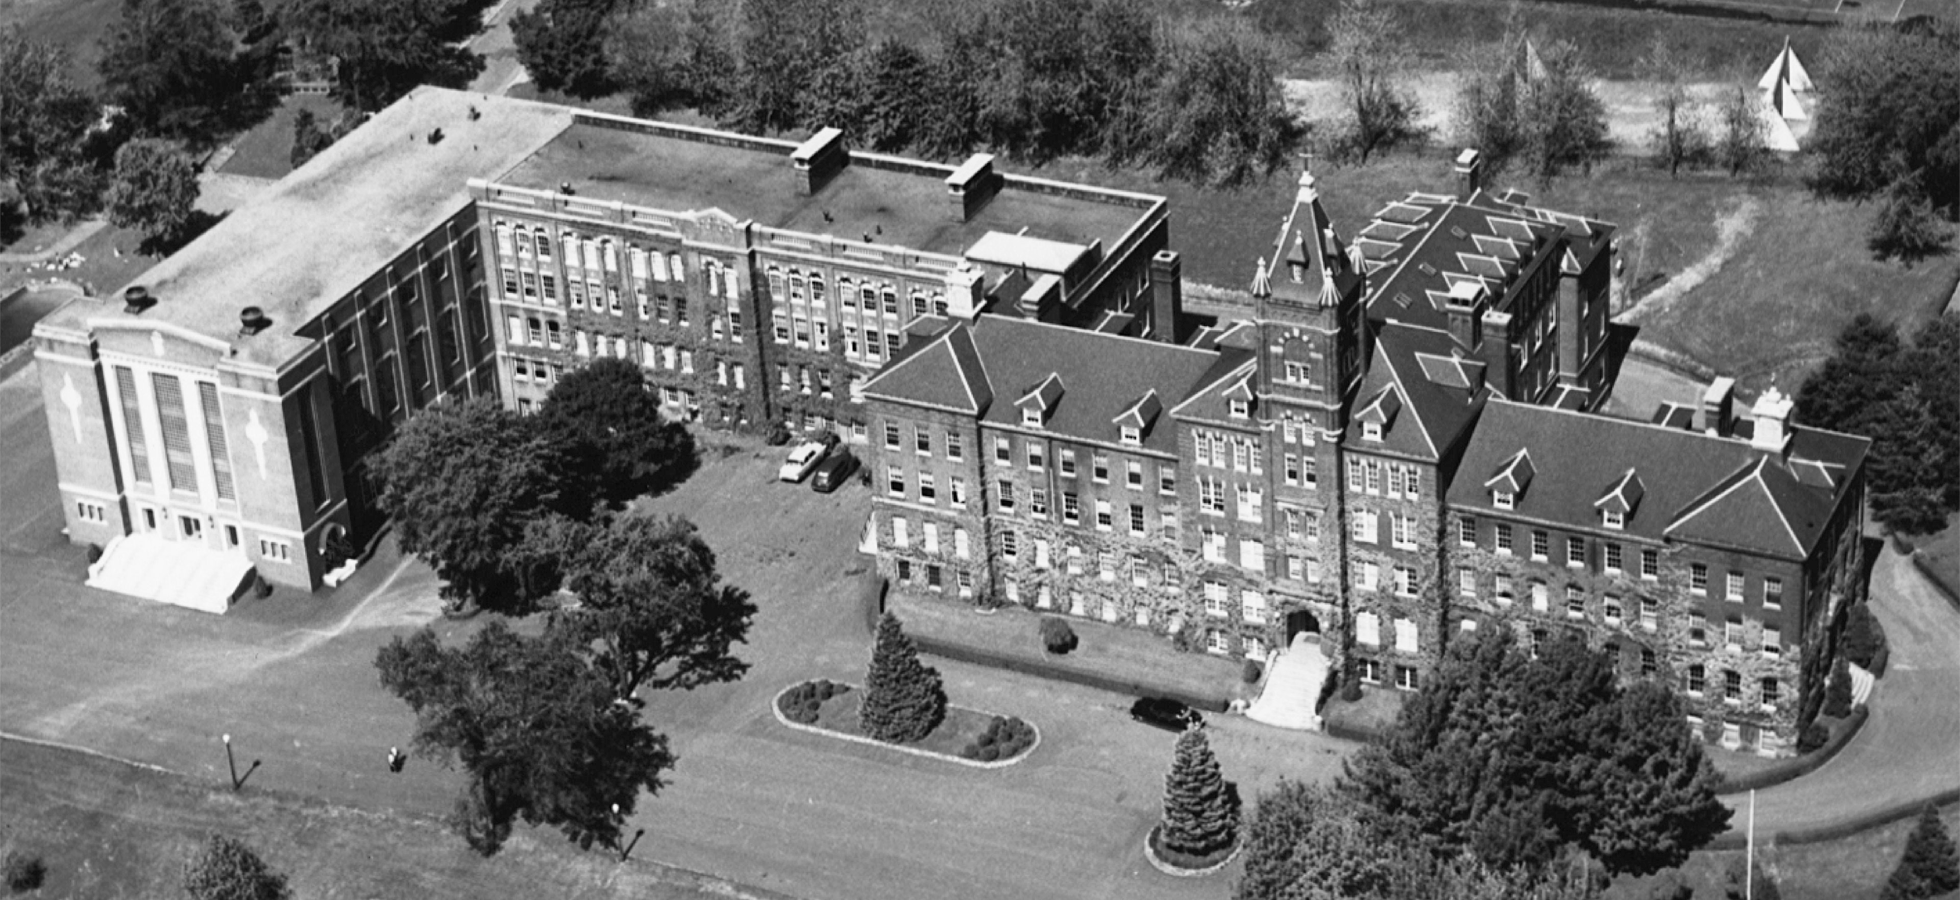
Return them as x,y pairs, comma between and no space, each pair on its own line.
680,170
322,231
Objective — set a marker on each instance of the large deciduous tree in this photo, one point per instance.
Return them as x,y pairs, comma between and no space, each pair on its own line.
1678,139
1366,46
606,419
561,43
154,189
1218,114
653,606
44,172
1520,103
1201,808
227,869
1930,866
539,730
1512,758
903,698
387,48
176,69
462,482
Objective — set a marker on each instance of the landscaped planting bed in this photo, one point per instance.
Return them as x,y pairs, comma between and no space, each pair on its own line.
966,735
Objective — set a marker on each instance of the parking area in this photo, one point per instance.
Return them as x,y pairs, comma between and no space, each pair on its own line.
750,800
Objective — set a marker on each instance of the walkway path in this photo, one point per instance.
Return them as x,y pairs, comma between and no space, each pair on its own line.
74,238
1910,748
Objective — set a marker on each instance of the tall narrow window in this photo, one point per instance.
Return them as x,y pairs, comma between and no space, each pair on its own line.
139,446
176,432
214,436
309,434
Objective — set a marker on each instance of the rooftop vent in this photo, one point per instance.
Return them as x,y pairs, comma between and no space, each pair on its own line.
251,321
136,298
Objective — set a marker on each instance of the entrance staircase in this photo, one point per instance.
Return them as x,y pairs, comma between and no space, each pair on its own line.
1293,681
175,572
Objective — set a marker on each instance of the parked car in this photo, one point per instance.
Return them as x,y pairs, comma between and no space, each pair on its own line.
801,460
1165,713
831,474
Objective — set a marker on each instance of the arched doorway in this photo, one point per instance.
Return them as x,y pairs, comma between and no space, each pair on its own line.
1301,621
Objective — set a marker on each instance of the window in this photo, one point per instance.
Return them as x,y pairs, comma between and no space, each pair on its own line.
1251,502
1371,431
1405,581
961,547
1354,475
277,551
1133,475
1066,463
1613,519
1402,531
1466,531
1503,538
1613,558
1650,614
955,449
1211,496
1575,551
1772,592
934,578
1036,455
1010,545
1071,507
1215,599
1373,472
1650,564
1103,517
929,531
1367,576
1731,686
928,491
1136,519
1100,468
1541,596
1004,496
1735,587
90,512
895,482
1697,629
957,485
891,436
1132,435
1252,554
922,441
1213,544
1291,468
1649,664
1697,679
1371,671
1003,450
1240,408
1038,502
1732,635
1541,544
1503,499
1501,587
1368,629
1466,582
1405,635
1772,694
1613,610
1252,607
1772,641
1166,480
1698,578
1367,526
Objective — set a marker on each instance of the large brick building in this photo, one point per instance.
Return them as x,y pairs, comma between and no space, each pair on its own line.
1400,444
463,245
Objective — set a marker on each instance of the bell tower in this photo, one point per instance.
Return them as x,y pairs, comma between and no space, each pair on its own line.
1307,311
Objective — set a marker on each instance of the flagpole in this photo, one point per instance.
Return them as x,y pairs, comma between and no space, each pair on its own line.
1749,866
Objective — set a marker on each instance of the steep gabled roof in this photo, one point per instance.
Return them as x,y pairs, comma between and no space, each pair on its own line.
1142,413
1444,246
1309,264
1514,476
945,373
1438,403
1676,484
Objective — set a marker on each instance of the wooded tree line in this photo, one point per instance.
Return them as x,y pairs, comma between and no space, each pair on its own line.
1904,399
1512,773
1036,79
510,509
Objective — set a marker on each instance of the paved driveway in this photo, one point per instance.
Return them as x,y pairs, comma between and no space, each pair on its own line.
292,680
1910,747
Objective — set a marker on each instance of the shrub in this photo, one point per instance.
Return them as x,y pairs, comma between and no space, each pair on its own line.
25,872
989,753
778,435
1351,688
1815,735
1670,886
1860,635
261,588
970,751
94,554
1252,671
336,550
1837,697
1711,731
1057,636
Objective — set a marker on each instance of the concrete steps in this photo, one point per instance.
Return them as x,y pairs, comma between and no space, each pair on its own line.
1292,686
1862,683
175,572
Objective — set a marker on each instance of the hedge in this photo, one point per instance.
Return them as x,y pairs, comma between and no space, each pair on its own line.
1843,829
1799,766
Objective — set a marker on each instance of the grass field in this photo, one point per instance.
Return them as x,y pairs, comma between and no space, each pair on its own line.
77,25
266,151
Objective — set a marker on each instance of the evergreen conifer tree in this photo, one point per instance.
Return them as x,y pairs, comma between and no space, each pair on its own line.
1201,809
1837,695
1931,865
903,698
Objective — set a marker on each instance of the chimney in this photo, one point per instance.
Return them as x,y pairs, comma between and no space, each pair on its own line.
966,293
1042,301
1772,413
971,185
1718,408
251,321
136,298
1166,295
1469,171
1464,302
1572,324
1495,348
820,159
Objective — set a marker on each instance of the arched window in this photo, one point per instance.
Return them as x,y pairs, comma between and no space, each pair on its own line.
776,290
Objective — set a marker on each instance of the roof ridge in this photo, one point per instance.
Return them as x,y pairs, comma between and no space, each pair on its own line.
1098,334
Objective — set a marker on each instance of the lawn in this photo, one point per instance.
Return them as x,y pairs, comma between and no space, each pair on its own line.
1375,713
266,151
109,261
1938,555
77,25
1126,655
960,730
108,830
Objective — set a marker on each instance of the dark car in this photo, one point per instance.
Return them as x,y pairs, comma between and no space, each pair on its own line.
833,472
1165,713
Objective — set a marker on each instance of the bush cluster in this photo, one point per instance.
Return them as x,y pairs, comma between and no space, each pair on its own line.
1252,671
1005,738
1056,635
25,872
802,702
1814,736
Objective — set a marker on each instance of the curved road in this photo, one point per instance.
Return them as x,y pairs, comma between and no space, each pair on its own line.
1910,747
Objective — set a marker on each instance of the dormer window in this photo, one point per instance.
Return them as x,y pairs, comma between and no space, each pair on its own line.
1503,499
1371,431
1613,519
1241,408
1031,417
1132,436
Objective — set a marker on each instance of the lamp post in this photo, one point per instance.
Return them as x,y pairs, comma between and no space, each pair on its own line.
628,851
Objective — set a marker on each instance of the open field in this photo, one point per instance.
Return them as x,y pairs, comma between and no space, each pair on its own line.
266,150
109,261
77,25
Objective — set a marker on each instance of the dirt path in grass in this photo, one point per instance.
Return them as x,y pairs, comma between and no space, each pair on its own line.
1629,105
1731,227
